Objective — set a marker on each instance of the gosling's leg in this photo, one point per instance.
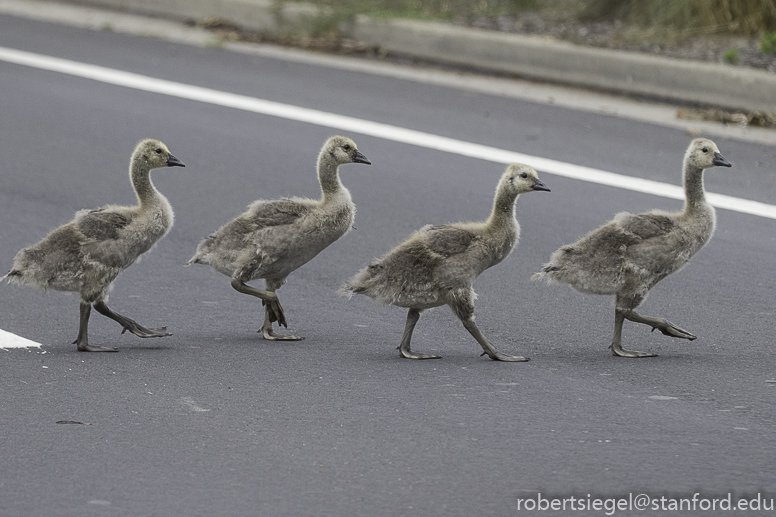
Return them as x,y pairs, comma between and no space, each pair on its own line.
268,298
404,348
462,305
488,348
616,346
268,333
129,324
82,341
661,324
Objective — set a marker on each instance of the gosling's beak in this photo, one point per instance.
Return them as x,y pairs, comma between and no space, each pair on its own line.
721,161
538,185
172,161
360,158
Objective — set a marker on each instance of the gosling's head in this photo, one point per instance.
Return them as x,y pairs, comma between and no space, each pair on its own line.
155,154
703,154
343,150
519,178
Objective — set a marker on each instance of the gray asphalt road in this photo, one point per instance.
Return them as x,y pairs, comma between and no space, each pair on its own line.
216,421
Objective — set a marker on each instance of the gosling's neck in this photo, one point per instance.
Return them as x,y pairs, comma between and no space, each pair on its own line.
140,175
503,213
694,191
331,186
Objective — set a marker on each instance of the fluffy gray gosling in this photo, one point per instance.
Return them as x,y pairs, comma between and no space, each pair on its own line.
628,255
437,265
88,253
271,239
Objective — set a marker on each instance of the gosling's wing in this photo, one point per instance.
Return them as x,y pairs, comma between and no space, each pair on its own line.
447,240
238,240
278,212
419,269
103,241
101,224
661,247
646,226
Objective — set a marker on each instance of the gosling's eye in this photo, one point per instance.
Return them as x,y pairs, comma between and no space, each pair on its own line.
705,150
158,151
346,147
524,175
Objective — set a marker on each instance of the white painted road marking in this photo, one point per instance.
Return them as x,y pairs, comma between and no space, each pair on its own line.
376,129
10,340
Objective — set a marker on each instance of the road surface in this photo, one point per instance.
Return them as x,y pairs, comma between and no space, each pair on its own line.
216,421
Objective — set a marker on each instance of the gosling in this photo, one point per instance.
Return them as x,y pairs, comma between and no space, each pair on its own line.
437,265
88,253
627,256
271,239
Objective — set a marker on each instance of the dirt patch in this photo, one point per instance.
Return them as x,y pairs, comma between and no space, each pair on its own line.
328,41
753,118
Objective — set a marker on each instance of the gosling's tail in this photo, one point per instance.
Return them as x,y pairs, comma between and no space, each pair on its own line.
366,281
196,259
11,275
346,290
548,273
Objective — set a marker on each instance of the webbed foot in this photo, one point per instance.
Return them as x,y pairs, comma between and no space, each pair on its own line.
130,324
498,356
141,331
86,347
270,335
409,354
621,352
669,329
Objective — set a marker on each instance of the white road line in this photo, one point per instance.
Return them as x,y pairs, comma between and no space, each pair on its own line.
9,340
376,129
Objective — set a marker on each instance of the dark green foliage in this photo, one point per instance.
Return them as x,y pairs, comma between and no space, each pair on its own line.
731,56
768,42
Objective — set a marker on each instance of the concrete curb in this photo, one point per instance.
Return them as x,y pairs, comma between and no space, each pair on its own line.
531,57
557,61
